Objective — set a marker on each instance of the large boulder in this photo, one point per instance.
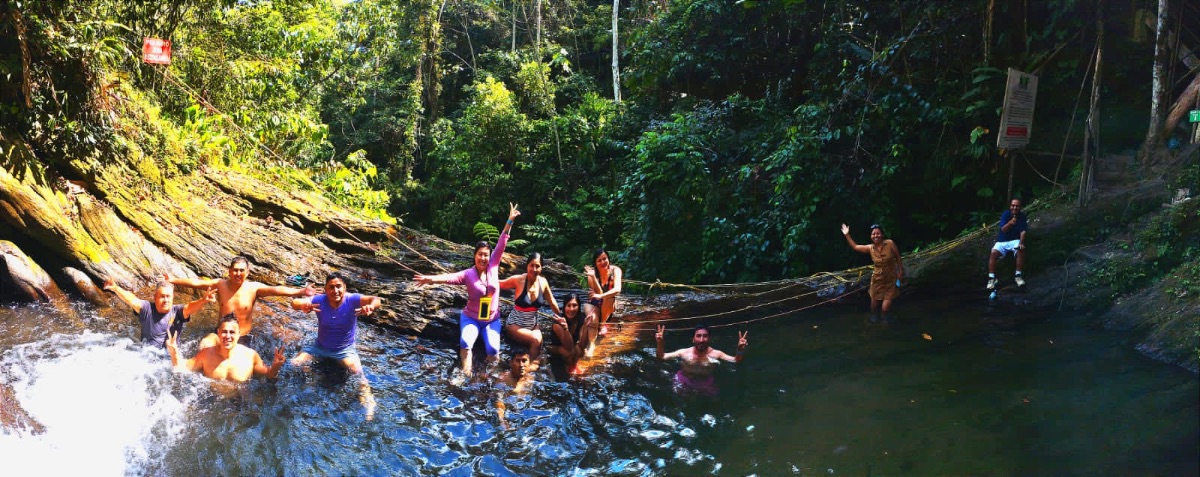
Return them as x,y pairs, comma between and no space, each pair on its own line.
23,279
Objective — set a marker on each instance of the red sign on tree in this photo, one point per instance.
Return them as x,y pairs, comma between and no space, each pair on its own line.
156,50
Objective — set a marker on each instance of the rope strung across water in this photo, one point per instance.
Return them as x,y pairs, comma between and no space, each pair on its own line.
817,281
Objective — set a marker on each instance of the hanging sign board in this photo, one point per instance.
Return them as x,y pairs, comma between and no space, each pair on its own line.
1194,116
156,51
1016,120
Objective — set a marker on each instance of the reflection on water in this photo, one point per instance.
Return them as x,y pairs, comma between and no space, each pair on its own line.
824,392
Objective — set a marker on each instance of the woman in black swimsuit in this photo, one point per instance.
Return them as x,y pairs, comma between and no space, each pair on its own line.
575,335
522,324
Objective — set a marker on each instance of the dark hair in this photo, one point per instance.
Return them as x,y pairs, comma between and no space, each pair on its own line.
517,352
596,255
335,276
227,318
876,226
571,297
239,258
701,327
533,256
481,244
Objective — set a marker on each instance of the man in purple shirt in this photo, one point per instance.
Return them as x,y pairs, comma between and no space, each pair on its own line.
337,323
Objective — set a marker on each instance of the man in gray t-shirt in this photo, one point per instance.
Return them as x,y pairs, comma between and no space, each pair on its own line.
159,316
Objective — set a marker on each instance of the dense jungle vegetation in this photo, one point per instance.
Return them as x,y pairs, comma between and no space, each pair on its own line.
739,135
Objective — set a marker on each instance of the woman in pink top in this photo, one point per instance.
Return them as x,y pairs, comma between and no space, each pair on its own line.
483,296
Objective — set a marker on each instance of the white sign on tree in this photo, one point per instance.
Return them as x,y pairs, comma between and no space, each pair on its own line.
1016,120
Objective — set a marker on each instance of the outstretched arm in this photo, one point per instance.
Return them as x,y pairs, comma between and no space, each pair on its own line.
280,290
455,278
126,296
191,282
305,304
856,247
367,305
511,283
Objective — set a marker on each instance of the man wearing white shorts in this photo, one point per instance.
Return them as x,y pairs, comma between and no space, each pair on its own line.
1011,239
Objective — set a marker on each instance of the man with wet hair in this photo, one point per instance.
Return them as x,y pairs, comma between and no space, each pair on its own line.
337,326
161,315
237,296
699,361
228,360
517,379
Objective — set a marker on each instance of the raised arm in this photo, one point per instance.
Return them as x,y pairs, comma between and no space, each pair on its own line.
261,369
737,358
173,350
126,296
658,338
856,247
191,282
498,252
209,296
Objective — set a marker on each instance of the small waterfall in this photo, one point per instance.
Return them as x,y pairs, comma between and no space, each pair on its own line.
106,403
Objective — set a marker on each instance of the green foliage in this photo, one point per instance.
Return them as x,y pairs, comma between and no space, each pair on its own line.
352,183
489,233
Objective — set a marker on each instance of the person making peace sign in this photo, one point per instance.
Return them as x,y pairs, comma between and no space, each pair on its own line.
699,361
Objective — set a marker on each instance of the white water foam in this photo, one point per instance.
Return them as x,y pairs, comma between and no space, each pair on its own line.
104,402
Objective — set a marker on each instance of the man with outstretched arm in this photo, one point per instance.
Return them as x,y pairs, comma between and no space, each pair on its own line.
337,325
1010,239
699,361
228,360
161,315
237,295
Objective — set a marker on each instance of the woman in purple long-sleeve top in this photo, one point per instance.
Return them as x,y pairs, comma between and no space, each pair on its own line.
483,296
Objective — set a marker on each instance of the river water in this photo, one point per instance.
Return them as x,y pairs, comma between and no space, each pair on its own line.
948,386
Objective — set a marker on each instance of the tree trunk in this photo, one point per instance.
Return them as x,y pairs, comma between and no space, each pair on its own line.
1157,86
616,67
1091,135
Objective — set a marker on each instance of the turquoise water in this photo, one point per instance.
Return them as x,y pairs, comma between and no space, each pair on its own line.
1001,391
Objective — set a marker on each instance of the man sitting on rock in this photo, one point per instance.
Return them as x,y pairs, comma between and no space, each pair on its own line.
1011,239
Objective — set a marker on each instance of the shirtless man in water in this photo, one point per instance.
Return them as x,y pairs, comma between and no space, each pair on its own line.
228,360
236,295
699,361
517,380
